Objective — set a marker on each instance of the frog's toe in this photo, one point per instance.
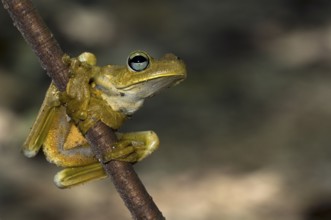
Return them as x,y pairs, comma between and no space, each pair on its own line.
151,144
119,151
66,59
88,58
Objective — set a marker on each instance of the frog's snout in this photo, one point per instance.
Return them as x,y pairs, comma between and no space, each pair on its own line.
171,56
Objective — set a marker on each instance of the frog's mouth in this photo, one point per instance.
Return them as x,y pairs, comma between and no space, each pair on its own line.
152,86
129,99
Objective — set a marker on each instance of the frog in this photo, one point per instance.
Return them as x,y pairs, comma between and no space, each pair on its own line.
110,94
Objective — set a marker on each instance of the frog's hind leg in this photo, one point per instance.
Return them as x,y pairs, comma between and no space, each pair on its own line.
131,147
65,145
76,175
43,122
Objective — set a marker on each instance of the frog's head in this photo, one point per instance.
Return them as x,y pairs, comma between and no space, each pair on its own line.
126,87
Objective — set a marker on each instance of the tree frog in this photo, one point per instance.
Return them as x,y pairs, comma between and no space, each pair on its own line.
109,93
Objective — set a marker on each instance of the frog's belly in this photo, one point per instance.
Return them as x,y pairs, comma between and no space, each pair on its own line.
64,145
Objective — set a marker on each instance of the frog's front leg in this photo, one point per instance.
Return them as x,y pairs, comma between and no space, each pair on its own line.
99,110
82,100
77,95
131,147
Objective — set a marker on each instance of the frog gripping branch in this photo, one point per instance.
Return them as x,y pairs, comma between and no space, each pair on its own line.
99,137
109,94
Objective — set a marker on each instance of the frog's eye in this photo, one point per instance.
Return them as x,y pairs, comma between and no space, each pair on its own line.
138,61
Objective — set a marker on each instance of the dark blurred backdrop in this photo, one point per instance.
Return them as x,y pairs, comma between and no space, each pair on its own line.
246,136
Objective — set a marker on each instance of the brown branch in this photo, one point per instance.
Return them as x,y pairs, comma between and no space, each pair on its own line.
37,35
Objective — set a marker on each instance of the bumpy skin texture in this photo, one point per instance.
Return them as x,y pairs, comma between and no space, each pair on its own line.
110,94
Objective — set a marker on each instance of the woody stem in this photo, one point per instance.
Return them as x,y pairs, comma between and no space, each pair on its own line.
35,32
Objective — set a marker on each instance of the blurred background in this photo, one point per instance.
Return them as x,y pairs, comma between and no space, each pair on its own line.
246,136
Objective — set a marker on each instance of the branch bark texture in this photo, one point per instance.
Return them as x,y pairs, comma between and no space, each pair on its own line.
38,36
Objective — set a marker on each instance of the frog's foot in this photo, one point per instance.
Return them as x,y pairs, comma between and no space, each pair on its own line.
133,147
76,175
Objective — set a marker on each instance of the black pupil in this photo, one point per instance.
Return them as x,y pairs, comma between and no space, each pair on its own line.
138,59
